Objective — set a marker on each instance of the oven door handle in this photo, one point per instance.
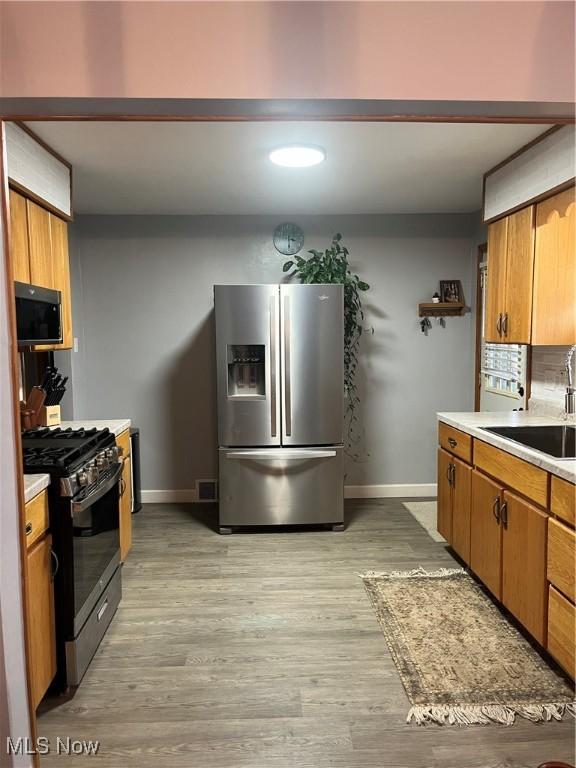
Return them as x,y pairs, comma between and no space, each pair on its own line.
99,491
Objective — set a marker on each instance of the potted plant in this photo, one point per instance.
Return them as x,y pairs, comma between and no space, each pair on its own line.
332,266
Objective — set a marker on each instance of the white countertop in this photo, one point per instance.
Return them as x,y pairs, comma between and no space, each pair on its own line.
116,426
34,484
472,424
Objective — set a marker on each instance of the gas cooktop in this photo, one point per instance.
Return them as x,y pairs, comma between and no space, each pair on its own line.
60,451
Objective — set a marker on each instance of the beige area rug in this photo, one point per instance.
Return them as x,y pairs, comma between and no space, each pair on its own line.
460,660
424,512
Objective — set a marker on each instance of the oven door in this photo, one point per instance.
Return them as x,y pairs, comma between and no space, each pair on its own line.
95,544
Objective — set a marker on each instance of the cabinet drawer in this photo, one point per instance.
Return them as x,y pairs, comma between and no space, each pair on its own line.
563,499
517,474
561,553
561,631
455,441
123,440
37,520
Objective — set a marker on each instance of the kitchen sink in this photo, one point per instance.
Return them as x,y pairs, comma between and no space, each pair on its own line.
558,441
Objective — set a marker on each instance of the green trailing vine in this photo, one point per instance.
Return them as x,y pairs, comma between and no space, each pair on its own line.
332,266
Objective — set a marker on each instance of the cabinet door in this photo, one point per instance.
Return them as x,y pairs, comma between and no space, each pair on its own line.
61,275
461,498
126,509
41,272
495,279
554,318
485,532
519,277
444,512
19,250
524,587
40,614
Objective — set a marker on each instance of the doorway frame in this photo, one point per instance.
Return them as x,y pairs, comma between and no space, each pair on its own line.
217,110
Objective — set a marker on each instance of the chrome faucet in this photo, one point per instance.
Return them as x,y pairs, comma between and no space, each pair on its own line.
570,396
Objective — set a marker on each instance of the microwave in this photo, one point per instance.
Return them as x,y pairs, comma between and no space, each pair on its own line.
38,315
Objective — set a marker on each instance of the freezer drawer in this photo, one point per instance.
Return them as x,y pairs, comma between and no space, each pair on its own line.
281,486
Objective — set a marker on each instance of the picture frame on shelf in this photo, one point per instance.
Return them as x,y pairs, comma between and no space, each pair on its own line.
451,292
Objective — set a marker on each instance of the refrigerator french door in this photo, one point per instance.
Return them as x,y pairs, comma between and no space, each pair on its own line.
280,374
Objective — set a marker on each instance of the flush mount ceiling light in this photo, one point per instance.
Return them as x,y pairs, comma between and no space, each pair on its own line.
297,156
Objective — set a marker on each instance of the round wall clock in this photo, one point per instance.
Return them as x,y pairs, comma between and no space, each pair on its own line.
288,238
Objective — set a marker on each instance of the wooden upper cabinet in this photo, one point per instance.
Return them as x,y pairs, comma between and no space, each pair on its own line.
61,275
19,250
496,279
524,585
41,271
554,305
510,278
517,322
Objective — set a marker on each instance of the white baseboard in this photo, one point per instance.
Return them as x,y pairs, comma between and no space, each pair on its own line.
420,490
169,497
392,491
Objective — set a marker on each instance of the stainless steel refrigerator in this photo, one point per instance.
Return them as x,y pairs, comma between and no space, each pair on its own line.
280,373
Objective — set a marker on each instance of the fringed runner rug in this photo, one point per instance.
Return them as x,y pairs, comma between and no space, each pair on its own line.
461,661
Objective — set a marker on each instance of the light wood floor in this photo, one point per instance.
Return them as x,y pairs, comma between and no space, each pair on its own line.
261,650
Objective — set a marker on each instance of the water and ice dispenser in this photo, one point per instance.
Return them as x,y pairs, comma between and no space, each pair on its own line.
246,370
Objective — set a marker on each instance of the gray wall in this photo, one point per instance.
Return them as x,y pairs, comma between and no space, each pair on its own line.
143,317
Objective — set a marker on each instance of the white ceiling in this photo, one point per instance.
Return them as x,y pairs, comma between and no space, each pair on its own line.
223,168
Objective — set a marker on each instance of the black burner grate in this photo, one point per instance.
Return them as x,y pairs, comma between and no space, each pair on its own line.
58,451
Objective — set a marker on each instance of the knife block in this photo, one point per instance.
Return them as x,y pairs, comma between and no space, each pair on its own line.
49,416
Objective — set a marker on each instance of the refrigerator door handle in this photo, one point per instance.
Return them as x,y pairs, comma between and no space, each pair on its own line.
280,455
273,337
287,390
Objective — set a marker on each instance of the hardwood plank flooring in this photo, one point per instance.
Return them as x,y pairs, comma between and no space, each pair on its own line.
261,650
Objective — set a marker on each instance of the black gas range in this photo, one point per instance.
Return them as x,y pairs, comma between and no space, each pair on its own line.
85,467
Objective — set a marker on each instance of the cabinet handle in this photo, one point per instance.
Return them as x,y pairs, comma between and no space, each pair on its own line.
449,474
504,514
496,509
505,324
452,443
28,529
122,487
453,475
499,325
55,563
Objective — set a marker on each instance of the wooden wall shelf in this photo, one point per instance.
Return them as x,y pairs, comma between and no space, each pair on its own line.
441,309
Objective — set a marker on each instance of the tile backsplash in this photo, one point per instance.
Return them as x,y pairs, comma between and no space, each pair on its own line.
548,380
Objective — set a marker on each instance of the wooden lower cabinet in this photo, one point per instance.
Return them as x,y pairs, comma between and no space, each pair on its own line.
40,618
461,499
562,631
498,515
126,509
563,499
562,558
444,511
524,588
485,532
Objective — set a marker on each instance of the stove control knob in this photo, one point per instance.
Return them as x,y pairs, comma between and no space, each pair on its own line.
82,478
92,474
112,454
102,462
